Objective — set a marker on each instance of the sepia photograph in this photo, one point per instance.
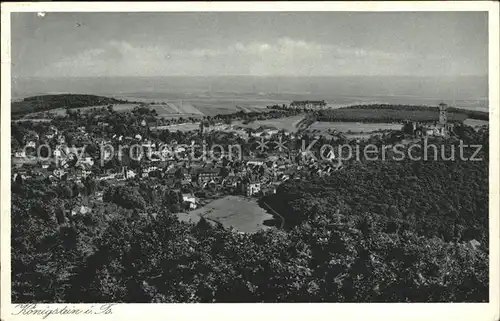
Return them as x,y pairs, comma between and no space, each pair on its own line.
247,156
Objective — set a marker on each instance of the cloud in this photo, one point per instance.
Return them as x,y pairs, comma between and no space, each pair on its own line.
285,56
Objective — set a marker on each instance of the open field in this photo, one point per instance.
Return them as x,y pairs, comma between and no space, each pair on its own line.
355,127
206,107
166,106
243,214
172,109
181,127
386,115
35,120
205,104
168,110
287,123
62,111
475,122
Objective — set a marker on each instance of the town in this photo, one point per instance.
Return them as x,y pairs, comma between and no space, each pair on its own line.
89,152
83,151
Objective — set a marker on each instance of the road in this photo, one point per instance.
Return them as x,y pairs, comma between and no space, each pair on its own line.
276,213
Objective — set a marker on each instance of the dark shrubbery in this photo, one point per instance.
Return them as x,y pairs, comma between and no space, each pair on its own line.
48,102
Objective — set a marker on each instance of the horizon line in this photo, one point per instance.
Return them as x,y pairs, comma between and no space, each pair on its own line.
249,76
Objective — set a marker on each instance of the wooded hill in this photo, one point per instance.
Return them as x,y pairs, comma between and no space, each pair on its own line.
48,102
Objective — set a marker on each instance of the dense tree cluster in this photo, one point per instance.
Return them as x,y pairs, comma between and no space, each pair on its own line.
441,199
331,258
48,102
125,196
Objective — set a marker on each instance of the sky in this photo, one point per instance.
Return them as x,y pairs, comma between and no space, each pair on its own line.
249,43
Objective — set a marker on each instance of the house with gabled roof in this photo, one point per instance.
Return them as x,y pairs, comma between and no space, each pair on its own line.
249,186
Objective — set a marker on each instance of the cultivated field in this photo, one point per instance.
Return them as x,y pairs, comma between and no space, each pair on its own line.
181,108
241,213
475,122
62,111
206,105
354,127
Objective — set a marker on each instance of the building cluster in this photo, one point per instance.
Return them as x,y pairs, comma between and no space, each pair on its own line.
308,104
174,169
441,128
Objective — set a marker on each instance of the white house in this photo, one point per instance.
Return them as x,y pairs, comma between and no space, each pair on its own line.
191,199
85,172
87,160
255,163
107,154
80,210
50,135
59,173
20,154
130,174
106,177
250,186
150,169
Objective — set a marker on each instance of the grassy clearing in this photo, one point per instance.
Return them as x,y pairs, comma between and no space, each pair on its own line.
62,111
475,122
287,123
243,214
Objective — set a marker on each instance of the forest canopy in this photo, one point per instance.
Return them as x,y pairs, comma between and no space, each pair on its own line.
373,232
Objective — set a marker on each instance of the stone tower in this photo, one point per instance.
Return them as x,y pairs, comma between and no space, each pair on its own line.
443,114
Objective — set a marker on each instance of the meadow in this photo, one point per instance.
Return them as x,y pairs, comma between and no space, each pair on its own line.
354,127
475,122
290,124
380,114
62,111
241,213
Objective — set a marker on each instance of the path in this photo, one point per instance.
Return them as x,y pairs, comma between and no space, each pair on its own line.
276,213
